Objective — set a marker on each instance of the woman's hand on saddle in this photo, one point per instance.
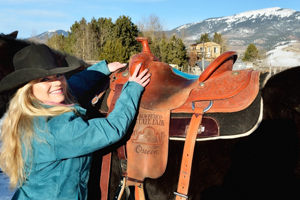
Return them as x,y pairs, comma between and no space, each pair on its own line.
115,66
142,78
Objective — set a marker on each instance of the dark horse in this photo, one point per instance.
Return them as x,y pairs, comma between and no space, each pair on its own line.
263,165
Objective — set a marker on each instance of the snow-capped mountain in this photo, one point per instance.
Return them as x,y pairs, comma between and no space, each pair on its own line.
269,29
265,28
48,34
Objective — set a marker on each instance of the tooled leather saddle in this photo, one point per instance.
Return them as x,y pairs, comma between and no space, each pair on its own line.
173,107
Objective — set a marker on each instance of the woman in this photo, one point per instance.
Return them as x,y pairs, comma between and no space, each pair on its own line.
46,145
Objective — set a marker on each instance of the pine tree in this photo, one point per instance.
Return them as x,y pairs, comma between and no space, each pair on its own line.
155,48
81,41
113,51
204,38
165,48
219,40
71,39
57,42
126,32
81,33
86,40
251,53
178,51
105,29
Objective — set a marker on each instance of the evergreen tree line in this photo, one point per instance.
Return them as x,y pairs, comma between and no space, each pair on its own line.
99,39
115,41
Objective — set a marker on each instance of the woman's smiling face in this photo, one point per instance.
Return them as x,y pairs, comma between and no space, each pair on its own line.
50,89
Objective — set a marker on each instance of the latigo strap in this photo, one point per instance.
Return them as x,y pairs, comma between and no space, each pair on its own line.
187,156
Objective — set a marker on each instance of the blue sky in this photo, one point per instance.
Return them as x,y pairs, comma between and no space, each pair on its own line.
33,17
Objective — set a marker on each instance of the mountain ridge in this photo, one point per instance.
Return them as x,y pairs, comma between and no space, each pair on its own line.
265,28
48,34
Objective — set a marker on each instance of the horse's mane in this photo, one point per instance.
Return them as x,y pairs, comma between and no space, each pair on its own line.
9,45
10,41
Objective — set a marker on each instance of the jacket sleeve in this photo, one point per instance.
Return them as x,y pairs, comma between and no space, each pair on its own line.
84,80
76,137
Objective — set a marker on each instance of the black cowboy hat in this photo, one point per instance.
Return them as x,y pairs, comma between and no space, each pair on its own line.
33,62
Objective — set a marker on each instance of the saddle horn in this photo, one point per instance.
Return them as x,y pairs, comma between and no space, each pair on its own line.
145,57
145,43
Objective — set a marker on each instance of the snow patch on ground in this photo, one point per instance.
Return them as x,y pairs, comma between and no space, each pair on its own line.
285,55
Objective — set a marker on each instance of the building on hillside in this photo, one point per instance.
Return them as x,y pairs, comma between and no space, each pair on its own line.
210,50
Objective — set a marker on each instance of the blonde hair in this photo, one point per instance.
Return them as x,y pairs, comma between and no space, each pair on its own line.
18,129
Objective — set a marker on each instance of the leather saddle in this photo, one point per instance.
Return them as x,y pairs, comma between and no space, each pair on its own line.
170,91
169,101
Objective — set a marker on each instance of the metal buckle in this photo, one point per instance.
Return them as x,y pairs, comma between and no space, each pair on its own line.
206,109
181,195
95,100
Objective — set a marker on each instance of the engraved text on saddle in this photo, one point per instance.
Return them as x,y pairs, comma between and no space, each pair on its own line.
149,133
150,119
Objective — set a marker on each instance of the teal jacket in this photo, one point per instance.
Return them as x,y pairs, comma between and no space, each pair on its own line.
63,146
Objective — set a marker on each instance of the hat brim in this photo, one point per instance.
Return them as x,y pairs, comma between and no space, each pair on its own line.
22,76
